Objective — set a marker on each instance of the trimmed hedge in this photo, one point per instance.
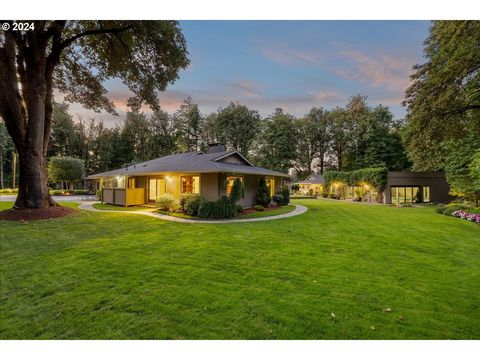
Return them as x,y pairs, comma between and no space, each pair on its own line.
220,209
376,177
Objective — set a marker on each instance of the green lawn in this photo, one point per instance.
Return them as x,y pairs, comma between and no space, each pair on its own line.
127,276
101,206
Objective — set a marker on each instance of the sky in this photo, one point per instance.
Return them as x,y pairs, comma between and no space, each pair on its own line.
294,65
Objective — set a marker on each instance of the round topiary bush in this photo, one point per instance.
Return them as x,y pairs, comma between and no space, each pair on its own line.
191,203
167,202
278,199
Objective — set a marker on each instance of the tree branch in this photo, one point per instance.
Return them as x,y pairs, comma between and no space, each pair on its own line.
70,40
462,109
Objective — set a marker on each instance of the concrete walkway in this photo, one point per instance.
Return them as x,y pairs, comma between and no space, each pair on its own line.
299,209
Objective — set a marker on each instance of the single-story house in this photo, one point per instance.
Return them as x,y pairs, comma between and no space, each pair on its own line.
210,174
401,187
312,185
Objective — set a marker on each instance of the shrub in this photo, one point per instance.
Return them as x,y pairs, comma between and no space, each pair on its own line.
98,193
189,204
81,192
475,210
224,208
278,198
239,208
238,191
440,209
259,207
452,208
167,202
286,195
206,209
310,192
8,191
263,193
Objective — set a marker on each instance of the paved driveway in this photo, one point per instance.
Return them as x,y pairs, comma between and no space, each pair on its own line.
77,198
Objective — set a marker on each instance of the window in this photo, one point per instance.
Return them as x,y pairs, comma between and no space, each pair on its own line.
405,194
190,185
271,186
131,183
230,181
426,194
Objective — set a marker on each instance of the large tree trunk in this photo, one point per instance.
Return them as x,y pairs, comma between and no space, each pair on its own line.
28,117
32,188
1,170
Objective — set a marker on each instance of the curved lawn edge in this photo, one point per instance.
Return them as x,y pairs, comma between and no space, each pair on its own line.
299,209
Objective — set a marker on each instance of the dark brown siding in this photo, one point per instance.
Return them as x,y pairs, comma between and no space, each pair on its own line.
435,180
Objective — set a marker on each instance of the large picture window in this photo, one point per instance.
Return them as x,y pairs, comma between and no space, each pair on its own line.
230,181
405,194
190,184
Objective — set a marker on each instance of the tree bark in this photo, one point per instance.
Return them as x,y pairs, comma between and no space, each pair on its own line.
1,169
23,60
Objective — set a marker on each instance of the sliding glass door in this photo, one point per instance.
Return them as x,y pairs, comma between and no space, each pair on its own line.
156,187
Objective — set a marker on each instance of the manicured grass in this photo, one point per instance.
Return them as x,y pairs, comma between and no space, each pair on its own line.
101,206
126,276
177,214
281,210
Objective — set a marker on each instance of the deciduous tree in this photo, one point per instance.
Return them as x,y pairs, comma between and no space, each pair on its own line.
75,57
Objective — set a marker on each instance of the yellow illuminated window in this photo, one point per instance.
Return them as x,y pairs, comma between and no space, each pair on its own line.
190,184
230,181
271,186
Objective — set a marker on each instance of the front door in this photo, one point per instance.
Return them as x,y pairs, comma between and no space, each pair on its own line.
156,187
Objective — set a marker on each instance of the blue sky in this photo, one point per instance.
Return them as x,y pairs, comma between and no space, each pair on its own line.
290,64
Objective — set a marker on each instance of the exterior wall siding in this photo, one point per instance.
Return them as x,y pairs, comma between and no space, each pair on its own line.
209,186
212,186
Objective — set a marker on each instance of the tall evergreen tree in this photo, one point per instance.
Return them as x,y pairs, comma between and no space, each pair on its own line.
278,139
188,126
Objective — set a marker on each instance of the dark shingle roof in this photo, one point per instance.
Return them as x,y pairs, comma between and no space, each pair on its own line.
191,162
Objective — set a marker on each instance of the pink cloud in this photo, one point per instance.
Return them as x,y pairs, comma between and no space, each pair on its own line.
378,71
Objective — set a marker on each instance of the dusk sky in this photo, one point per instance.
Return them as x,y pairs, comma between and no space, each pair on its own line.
290,64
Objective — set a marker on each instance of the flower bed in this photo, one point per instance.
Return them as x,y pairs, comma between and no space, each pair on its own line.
467,216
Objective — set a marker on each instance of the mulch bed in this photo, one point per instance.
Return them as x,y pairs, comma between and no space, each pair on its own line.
36,214
252,210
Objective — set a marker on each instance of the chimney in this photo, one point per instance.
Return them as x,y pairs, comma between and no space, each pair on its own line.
215,148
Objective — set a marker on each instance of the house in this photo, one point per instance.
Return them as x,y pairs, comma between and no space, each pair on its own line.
312,185
401,187
210,174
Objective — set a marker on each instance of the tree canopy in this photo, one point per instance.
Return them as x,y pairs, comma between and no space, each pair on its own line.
444,98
